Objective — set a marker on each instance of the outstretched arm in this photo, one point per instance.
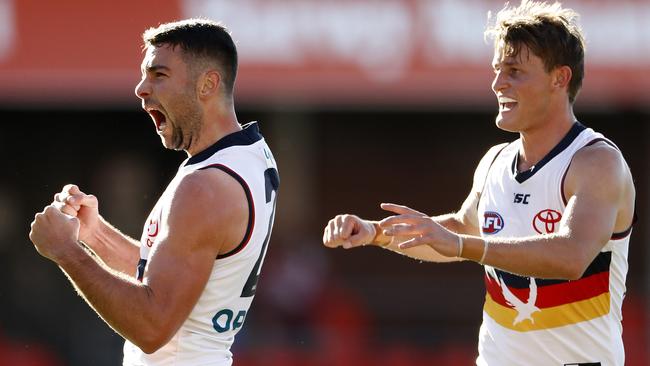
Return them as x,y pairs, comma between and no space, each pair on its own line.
350,231
601,202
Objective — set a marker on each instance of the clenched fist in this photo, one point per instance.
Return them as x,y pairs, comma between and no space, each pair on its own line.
348,231
54,233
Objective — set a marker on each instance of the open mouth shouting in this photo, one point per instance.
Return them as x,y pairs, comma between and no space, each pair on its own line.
158,116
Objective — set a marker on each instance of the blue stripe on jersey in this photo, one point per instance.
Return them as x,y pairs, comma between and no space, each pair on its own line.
563,144
251,208
249,135
599,264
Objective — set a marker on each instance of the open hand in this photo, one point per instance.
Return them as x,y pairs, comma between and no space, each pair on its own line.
421,229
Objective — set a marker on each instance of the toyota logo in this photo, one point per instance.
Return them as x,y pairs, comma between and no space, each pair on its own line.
545,221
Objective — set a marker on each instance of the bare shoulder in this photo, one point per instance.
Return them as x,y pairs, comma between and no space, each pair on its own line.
601,172
209,204
208,185
601,162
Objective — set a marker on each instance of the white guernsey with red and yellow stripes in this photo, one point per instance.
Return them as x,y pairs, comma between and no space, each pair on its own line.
545,322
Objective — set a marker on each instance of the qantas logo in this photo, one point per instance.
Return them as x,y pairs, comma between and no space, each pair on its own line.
492,222
546,221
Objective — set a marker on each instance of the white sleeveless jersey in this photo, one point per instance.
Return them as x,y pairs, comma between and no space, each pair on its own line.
541,322
209,331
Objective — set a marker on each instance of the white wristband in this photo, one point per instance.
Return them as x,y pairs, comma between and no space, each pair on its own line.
485,250
460,246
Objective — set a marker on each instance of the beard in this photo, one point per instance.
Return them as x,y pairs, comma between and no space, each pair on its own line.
187,126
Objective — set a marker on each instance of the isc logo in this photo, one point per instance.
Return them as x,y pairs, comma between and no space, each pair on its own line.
521,198
492,222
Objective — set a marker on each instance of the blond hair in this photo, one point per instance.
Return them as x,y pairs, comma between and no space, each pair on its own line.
549,31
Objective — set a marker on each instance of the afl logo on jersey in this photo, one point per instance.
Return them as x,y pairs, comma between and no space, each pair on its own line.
492,222
152,232
546,221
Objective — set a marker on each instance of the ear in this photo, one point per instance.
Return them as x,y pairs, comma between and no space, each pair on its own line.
209,83
562,76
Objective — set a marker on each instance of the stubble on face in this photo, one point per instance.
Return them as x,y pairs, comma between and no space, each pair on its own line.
186,124
188,117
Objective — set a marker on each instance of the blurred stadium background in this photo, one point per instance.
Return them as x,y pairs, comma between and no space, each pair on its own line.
362,102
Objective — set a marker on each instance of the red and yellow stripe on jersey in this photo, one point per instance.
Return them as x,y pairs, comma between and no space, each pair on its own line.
560,302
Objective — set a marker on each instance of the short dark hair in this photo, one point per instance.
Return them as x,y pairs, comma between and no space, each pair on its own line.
548,31
201,40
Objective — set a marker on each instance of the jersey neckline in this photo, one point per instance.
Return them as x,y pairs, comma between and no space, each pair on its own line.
521,177
248,135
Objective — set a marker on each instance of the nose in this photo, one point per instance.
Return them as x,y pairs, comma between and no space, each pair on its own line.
143,89
498,83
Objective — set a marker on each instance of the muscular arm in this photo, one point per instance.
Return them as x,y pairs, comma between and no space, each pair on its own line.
601,202
455,222
117,250
192,234
464,221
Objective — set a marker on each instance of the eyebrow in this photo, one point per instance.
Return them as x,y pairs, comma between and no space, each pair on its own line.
506,63
154,68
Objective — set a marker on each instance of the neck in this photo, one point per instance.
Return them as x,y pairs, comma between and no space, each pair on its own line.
537,142
217,123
